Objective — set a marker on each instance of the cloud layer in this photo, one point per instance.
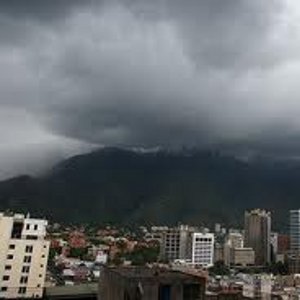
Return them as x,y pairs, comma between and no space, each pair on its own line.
206,73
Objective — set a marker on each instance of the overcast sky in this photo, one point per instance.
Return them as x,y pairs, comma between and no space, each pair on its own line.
140,73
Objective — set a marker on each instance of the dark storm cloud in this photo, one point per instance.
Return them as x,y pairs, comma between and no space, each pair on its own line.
40,10
155,73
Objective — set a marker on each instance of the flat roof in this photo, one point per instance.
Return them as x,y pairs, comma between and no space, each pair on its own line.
149,273
69,290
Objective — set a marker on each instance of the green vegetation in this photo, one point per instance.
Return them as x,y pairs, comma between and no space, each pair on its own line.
138,257
278,268
123,187
142,256
219,268
53,253
78,253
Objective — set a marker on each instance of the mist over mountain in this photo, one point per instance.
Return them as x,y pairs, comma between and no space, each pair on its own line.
210,74
159,187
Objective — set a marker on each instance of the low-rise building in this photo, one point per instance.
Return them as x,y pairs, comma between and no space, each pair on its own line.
77,240
257,287
134,283
242,257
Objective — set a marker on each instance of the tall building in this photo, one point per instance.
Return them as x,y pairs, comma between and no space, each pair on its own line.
283,243
258,234
295,231
219,252
176,243
23,256
274,246
203,249
294,255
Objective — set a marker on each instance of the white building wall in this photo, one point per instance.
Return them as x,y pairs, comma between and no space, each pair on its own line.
203,249
23,259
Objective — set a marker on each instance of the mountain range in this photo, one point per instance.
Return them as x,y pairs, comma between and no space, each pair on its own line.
114,185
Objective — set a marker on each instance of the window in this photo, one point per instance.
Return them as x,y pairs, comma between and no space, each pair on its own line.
164,292
126,296
27,226
10,256
27,259
22,290
4,289
42,266
17,230
28,249
5,278
24,279
40,275
12,246
191,291
43,256
25,269
35,227
8,267
31,237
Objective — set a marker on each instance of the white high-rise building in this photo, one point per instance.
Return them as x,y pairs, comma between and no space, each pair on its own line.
203,249
23,256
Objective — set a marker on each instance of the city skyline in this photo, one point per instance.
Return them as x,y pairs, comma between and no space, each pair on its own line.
150,149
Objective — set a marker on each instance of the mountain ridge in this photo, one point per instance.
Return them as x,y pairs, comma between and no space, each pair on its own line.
120,186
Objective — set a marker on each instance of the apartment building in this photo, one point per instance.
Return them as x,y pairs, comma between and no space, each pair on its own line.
235,254
176,243
203,249
23,256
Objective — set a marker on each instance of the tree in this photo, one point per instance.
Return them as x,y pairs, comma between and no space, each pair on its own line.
219,268
278,268
142,256
78,252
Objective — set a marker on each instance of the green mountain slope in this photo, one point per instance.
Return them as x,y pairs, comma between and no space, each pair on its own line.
114,185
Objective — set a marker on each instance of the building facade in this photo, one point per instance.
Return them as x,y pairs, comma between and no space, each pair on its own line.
242,257
233,240
283,244
258,235
23,256
176,243
203,249
257,287
295,231
142,283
